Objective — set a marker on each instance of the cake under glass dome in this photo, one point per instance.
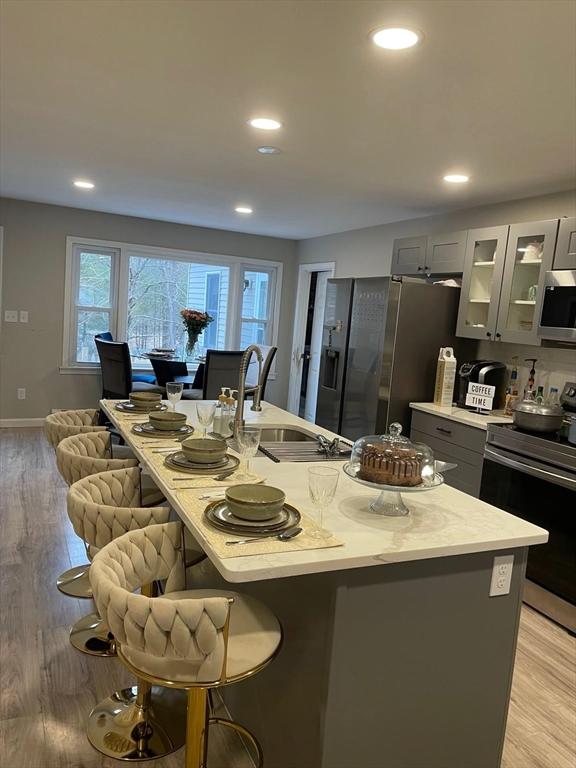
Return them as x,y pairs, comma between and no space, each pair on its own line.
393,464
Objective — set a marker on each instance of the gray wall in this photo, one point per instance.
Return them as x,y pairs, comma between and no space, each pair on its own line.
33,279
368,252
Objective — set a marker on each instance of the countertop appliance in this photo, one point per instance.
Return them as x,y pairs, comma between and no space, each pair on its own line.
489,372
558,316
534,477
380,347
568,396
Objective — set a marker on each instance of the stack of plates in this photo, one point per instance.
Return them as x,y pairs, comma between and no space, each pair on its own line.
129,407
149,430
220,517
179,461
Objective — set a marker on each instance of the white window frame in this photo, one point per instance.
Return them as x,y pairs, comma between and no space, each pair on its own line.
206,276
236,264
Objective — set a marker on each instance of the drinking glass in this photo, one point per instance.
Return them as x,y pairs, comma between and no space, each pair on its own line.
205,413
248,440
322,484
174,392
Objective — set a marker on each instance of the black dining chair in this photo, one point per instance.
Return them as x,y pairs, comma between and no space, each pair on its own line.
268,354
148,378
222,370
117,381
169,370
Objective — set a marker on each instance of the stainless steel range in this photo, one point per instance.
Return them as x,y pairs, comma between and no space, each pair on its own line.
533,476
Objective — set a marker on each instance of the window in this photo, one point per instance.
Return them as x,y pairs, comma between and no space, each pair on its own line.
137,293
94,277
256,298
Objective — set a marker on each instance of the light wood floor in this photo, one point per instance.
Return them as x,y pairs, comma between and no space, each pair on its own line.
47,688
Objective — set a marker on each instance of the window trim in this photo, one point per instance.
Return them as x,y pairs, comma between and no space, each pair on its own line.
206,276
237,265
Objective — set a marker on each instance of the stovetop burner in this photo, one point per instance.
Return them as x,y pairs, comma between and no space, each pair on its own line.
552,448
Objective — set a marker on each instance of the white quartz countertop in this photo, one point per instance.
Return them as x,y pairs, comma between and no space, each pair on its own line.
462,415
442,522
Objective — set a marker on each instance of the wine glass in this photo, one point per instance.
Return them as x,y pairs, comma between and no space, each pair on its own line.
247,440
322,484
174,392
205,413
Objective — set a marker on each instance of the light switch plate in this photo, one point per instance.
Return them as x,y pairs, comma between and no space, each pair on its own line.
10,315
501,575
23,316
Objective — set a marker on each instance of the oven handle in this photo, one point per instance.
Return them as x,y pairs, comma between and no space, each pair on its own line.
530,469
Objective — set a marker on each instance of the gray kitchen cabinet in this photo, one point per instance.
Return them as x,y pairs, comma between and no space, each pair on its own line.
445,253
408,256
453,442
429,255
565,253
482,282
529,255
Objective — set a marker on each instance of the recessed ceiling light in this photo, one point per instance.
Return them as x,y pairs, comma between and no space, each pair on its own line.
265,123
83,184
395,38
456,178
269,150
243,209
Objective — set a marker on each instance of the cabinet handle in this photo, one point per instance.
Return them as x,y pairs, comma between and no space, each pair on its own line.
498,335
419,269
426,268
488,334
444,430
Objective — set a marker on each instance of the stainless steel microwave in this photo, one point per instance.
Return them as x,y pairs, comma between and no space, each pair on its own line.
558,317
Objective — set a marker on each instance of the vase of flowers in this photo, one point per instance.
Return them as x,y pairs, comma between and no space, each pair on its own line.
194,323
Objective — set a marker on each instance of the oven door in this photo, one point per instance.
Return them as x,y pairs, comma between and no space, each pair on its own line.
558,318
543,495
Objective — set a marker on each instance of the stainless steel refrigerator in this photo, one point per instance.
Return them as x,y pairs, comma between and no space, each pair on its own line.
380,347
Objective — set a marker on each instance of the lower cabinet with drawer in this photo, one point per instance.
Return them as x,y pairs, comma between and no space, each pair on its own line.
453,442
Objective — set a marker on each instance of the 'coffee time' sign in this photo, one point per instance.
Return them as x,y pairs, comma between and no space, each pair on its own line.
480,396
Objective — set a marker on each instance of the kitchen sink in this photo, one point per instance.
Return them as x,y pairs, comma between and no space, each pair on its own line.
294,444
285,435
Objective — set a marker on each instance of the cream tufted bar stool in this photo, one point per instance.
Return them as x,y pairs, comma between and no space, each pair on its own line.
102,507
62,424
78,456
192,640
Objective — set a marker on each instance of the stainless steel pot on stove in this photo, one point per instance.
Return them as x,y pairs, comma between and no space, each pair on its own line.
534,417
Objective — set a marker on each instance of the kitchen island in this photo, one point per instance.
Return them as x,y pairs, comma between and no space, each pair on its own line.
394,655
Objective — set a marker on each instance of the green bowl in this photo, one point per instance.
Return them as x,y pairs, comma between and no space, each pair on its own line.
145,400
167,420
255,502
204,450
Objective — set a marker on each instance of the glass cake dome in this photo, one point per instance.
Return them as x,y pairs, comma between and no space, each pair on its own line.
392,463
392,459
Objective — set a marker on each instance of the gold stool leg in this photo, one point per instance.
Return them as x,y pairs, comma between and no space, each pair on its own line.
197,728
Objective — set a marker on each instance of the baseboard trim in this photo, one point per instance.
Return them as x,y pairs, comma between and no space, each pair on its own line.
6,423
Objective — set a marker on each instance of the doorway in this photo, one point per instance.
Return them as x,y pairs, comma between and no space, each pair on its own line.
307,342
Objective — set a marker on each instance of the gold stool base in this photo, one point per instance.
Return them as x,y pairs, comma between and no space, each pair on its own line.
120,728
92,635
75,582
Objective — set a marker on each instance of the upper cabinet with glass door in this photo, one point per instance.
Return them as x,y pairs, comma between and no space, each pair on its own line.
529,254
482,282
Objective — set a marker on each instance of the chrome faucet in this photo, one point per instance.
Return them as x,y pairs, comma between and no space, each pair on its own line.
244,363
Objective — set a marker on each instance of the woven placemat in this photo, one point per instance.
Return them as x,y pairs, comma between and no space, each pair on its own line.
194,508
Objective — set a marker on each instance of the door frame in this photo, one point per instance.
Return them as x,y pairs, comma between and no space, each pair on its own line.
299,335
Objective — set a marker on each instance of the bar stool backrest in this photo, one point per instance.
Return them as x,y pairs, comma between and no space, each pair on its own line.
106,505
86,454
62,424
187,630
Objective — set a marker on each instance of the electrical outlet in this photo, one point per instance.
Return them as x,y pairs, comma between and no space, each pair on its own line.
21,393
11,316
501,575
23,316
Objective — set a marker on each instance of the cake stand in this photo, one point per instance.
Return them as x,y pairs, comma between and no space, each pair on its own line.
390,502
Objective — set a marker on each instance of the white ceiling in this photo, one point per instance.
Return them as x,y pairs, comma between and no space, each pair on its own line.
149,100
